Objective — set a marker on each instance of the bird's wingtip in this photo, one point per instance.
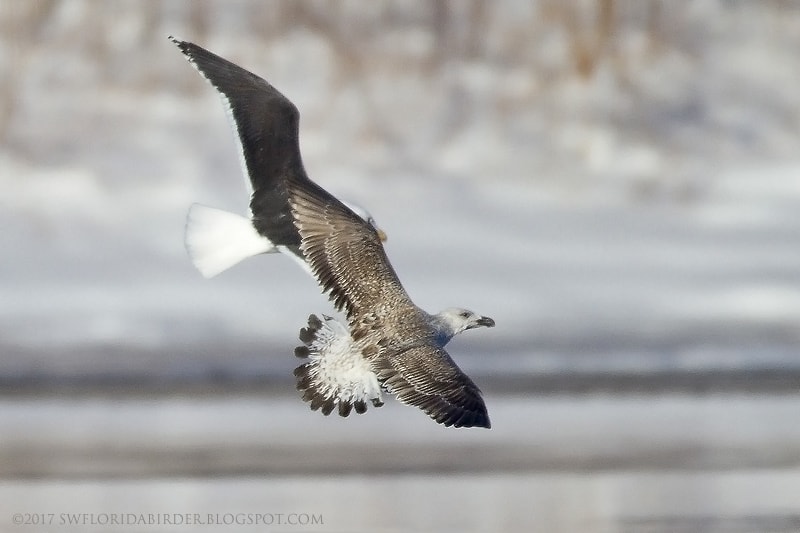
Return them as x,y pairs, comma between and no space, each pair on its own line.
180,43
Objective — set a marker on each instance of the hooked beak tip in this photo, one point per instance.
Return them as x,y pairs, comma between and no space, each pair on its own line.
486,321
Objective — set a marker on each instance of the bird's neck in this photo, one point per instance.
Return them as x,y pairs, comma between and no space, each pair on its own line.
443,329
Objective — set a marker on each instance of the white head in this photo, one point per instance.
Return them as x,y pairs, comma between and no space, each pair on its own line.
366,216
454,320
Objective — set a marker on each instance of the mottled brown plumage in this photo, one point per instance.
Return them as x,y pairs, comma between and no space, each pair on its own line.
402,342
389,342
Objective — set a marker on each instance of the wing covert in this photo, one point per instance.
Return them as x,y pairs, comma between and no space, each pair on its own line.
426,377
345,255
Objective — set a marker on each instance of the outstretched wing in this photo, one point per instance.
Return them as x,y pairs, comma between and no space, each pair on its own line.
346,256
266,129
426,377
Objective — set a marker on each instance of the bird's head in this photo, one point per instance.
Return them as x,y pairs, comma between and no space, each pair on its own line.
454,320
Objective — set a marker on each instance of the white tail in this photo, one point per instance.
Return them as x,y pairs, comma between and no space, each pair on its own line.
216,239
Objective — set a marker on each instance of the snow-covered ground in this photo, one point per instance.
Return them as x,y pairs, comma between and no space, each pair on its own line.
604,286
95,265
644,217
640,216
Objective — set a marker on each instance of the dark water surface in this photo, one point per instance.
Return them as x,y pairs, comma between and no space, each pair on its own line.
558,463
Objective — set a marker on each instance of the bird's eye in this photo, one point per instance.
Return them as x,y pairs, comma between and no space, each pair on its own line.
464,314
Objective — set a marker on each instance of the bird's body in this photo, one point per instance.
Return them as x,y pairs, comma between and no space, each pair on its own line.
387,342
336,376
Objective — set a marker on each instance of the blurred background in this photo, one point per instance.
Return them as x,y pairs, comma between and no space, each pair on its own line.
616,183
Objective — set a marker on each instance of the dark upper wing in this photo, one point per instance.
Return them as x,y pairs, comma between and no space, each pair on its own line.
426,377
346,256
266,126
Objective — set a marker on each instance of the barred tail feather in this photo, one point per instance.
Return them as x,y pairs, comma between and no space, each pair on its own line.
336,376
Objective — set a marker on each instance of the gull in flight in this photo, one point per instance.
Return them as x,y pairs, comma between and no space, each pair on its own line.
387,343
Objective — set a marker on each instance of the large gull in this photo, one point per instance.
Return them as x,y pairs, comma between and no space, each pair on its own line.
387,343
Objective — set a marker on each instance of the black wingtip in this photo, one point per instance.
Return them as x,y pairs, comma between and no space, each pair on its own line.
461,417
188,49
474,420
